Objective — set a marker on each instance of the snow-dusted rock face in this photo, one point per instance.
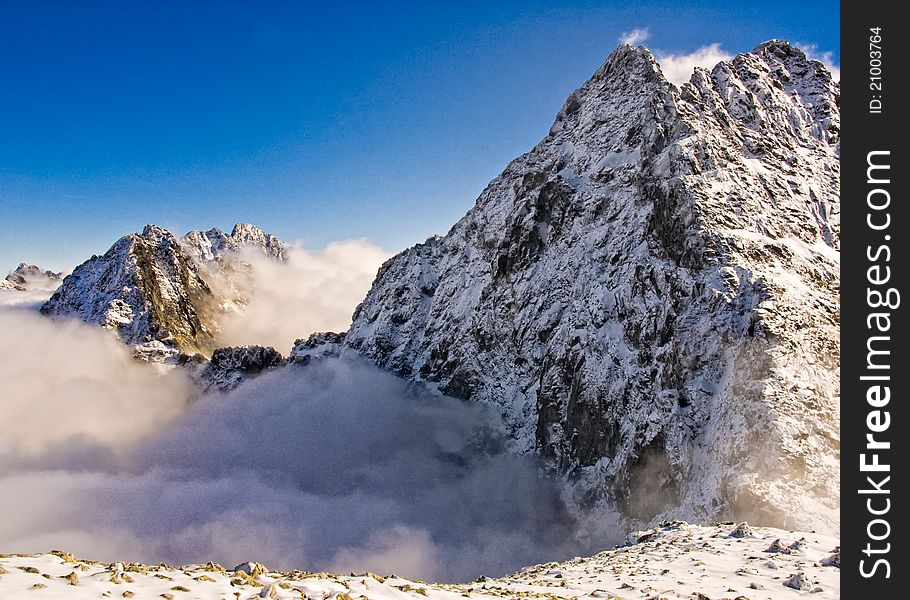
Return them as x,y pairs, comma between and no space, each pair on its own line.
650,295
316,346
163,295
229,367
7,285
148,290
207,246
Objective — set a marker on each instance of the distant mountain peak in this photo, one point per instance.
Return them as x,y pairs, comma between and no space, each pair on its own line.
30,277
151,288
147,289
210,245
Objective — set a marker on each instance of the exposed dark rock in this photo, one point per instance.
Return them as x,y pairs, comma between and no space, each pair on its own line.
229,367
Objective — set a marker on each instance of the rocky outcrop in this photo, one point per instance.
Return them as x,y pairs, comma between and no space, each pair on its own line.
650,295
7,285
229,367
317,346
148,290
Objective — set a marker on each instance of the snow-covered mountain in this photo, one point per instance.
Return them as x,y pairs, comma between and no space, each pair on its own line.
162,295
650,295
146,288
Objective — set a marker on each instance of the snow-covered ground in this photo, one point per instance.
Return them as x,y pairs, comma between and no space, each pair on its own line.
674,560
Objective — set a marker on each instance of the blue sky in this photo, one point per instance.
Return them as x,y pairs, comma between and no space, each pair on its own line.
381,121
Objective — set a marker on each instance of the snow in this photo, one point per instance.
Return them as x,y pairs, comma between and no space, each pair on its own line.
672,561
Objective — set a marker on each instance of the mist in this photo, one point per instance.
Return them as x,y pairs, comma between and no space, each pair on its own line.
336,465
65,381
311,291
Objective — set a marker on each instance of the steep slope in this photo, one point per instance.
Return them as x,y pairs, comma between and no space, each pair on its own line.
148,290
649,296
7,285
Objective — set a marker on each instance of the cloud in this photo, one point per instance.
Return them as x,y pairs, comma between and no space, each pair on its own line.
678,68
400,549
636,36
31,299
312,291
66,382
826,58
32,278
335,465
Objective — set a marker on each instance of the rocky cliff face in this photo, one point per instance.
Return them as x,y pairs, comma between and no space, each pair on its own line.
650,295
229,367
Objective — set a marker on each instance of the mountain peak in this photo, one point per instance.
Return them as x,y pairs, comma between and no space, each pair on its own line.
152,231
31,277
626,54
626,91
775,46
626,294
241,229
151,288
147,289
627,64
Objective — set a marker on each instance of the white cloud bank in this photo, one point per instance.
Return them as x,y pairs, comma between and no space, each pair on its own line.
337,465
66,382
312,291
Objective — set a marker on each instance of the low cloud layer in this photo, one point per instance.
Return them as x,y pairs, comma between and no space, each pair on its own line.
68,382
336,465
312,291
